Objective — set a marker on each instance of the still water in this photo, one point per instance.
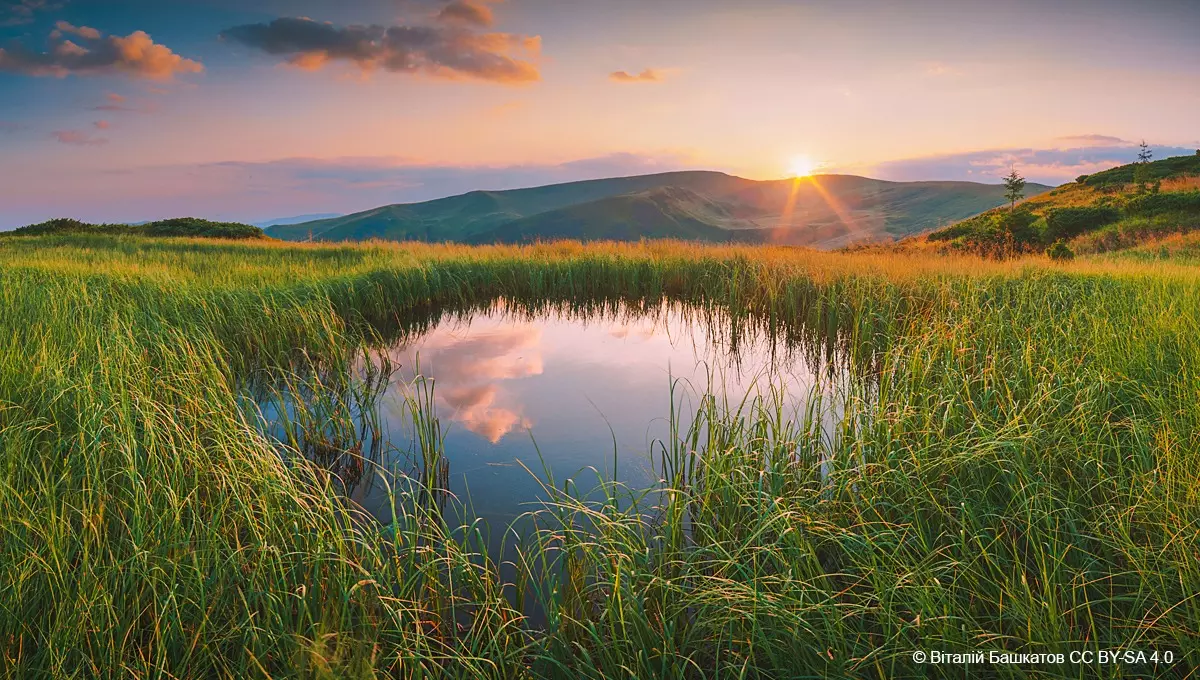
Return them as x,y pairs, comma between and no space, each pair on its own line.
523,397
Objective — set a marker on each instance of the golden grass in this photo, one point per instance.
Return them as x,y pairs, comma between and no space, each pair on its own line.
1181,183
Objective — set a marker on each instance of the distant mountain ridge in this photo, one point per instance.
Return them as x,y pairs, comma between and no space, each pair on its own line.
296,219
825,211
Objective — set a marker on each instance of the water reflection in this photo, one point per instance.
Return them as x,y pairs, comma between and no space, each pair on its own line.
559,393
566,394
472,365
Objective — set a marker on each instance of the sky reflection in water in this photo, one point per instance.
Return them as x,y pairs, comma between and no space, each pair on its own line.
507,387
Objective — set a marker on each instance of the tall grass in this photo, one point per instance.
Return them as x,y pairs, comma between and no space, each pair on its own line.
1020,473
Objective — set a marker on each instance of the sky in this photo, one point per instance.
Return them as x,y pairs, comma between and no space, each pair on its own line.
126,110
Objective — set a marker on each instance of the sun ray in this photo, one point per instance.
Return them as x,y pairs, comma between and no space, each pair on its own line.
839,209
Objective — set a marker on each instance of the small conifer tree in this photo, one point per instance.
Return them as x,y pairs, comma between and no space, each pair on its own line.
1014,189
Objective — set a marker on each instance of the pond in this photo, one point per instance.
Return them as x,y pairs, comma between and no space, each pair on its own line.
523,397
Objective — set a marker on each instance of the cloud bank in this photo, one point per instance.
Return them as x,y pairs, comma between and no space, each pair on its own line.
1046,166
256,192
135,55
1095,140
449,51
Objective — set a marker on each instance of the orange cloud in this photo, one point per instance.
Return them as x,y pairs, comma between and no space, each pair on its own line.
101,125
506,109
450,52
135,55
119,104
142,56
648,76
310,61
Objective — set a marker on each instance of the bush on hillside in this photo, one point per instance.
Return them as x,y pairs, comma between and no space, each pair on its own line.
997,223
64,225
1060,252
180,226
1019,224
1066,223
997,233
1176,166
195,227
1159,203
958,229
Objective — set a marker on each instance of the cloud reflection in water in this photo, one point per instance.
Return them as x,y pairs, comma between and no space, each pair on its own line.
470,365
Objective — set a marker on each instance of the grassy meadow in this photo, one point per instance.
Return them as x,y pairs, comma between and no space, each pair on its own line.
1020,475
1116,209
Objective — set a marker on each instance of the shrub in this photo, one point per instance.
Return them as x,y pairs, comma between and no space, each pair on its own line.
195,227
1060,252
180,226
1019,224
967,227
1157,203
63,226
997,233
1175,166
1081,179
1065,223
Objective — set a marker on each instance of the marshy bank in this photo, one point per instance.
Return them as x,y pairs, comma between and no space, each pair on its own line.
1024,478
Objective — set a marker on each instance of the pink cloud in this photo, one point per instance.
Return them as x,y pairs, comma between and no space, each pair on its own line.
82,31
78,138
472,369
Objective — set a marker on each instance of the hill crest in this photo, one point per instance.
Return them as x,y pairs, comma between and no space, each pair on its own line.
1117,208
822,211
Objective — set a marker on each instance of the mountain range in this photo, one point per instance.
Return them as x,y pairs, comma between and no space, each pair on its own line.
823,211
297,219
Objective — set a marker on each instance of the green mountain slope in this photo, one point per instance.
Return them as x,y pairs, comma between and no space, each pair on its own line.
830,211
664,212
823,211
458,218
1104,211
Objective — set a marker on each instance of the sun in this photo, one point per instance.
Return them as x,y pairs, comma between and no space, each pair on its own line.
801,166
